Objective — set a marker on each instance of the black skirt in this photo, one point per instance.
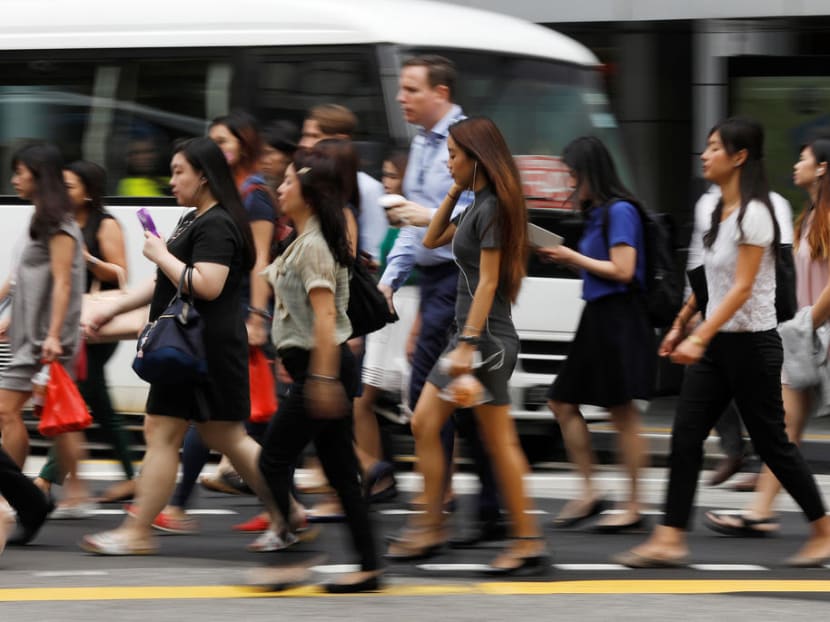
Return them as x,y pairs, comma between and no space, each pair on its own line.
613,356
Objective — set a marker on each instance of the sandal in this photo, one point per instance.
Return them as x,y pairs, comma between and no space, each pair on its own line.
563,521
378,472
630,559
414,544
525,565
740,525
115,543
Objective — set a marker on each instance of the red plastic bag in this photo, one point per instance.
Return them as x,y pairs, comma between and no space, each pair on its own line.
65,409
263,391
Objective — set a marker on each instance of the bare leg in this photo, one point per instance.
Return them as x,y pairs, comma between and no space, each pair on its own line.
366,431
70,453
426,531
626,419
15,437
510,465
577,440
164,436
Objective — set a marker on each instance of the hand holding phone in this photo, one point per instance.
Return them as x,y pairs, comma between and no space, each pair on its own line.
147,221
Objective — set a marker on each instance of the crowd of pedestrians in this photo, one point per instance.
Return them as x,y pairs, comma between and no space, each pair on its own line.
277,221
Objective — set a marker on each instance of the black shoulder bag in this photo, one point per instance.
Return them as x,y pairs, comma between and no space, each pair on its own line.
171,350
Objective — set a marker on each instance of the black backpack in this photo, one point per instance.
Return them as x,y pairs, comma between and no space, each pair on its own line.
664,289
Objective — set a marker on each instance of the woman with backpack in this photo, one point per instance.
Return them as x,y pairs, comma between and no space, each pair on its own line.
611,361
735,353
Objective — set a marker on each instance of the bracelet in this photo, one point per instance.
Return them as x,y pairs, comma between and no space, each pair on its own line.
260,312
323,378
93,260
473,340
696,340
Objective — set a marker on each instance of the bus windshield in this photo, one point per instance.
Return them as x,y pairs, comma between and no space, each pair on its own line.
540,106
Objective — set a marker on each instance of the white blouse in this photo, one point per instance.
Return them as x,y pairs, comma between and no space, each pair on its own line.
720,261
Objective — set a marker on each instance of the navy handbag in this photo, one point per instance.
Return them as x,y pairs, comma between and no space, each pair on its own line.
171,349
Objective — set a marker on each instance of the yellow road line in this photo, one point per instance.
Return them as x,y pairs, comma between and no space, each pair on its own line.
673,586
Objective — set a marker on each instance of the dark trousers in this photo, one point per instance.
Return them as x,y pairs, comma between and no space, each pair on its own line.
95,392
746,367
21,493
293,427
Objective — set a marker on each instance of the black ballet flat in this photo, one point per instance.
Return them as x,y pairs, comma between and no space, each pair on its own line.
369,584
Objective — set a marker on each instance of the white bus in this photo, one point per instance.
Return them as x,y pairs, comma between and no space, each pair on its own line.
117,83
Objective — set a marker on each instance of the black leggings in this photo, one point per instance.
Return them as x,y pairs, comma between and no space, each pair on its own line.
291,429
746,367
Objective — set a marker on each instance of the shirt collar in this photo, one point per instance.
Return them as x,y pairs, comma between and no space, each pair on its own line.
442,128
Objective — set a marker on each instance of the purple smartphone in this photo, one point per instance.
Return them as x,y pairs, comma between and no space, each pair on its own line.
147,221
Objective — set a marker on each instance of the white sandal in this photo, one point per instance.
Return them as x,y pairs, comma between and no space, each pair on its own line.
114,543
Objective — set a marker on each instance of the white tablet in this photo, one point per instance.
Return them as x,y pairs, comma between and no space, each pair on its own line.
539,237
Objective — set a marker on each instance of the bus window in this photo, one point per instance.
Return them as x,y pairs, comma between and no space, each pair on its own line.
123,113
291,82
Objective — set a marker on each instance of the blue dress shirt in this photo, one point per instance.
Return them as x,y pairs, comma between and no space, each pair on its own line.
426,182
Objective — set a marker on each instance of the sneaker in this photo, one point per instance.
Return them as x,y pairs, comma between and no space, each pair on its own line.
257,524
170,524
167,523
270,541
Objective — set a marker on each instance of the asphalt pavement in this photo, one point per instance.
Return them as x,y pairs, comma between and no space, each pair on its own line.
203,577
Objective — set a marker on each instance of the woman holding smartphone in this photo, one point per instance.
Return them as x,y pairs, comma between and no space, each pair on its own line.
214,239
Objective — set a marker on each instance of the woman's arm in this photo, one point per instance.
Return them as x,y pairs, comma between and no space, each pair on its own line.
208,277
61,254
620,267
821,308
324,357
441,230
489,264
324,393
113,253
257,323
748,263
351,230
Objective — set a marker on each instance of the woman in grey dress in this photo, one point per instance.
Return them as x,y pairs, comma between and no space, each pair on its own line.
489,243
46,294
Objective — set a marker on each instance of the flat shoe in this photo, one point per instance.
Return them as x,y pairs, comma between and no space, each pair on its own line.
746,527
369,584
800,561
631,559
635,525
563,522
114,543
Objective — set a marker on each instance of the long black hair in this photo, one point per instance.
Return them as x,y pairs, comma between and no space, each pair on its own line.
321,186
737,133
51,200
593,166
94,179
206,158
